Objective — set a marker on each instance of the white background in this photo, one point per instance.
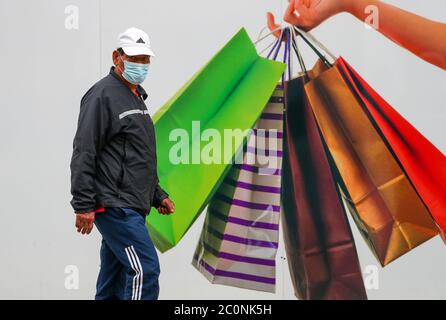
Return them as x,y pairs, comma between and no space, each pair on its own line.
45,70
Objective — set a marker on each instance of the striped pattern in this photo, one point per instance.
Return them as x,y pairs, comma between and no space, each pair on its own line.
239,240
137,281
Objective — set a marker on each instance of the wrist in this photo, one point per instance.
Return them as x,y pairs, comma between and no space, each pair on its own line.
164,197
84,211
357,8
345,6
156,203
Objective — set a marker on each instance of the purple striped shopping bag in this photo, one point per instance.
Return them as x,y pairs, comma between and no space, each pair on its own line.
239,240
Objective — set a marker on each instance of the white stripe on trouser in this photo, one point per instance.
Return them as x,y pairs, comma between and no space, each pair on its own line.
141,274
138,278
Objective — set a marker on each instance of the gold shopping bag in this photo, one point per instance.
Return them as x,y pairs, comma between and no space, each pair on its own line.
388,211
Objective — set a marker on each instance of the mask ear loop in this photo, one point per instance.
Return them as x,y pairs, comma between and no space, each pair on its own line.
120,57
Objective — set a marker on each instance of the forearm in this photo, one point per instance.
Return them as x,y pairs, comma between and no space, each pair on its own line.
91,135
83,171
423,37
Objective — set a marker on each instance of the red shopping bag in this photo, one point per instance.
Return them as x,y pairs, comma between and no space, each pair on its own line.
423,163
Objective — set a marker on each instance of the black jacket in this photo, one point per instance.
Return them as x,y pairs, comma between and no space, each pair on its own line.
114,150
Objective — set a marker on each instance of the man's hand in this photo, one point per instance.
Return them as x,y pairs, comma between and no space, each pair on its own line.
310,13
167,207
84,222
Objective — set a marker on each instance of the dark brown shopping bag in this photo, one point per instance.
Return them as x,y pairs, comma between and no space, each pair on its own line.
320,248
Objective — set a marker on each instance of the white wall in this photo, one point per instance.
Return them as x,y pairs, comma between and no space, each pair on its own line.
46,69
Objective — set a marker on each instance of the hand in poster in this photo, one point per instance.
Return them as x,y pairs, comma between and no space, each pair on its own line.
421,36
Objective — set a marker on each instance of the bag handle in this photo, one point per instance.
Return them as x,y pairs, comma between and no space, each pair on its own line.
315,50
298,53
274,52
277,46
284,37
306,36
288,50
287,54
260,38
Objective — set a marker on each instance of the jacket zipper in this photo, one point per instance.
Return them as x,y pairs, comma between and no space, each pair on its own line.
121,177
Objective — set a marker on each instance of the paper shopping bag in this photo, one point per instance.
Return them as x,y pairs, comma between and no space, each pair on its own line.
228,93
239,240
423,163
388,211
319,244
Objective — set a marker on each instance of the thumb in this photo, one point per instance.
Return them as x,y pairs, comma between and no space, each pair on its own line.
171,206
270,19
272,25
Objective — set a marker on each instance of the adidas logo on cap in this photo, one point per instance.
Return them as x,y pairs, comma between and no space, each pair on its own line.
135,42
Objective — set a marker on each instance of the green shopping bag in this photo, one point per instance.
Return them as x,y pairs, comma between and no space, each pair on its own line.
229,92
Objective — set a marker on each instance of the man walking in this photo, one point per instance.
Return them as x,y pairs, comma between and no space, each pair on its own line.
114,179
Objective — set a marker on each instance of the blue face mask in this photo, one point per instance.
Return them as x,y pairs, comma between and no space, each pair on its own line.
135,73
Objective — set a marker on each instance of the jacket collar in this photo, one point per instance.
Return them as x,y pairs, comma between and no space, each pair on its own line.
140,90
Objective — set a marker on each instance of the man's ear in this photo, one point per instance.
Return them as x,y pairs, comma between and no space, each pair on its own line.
115,57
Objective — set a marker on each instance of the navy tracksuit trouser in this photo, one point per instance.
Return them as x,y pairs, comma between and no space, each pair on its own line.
129,262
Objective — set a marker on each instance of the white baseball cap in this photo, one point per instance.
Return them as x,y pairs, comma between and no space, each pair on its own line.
135,42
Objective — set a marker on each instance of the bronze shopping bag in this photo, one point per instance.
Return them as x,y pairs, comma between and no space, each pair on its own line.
388,211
